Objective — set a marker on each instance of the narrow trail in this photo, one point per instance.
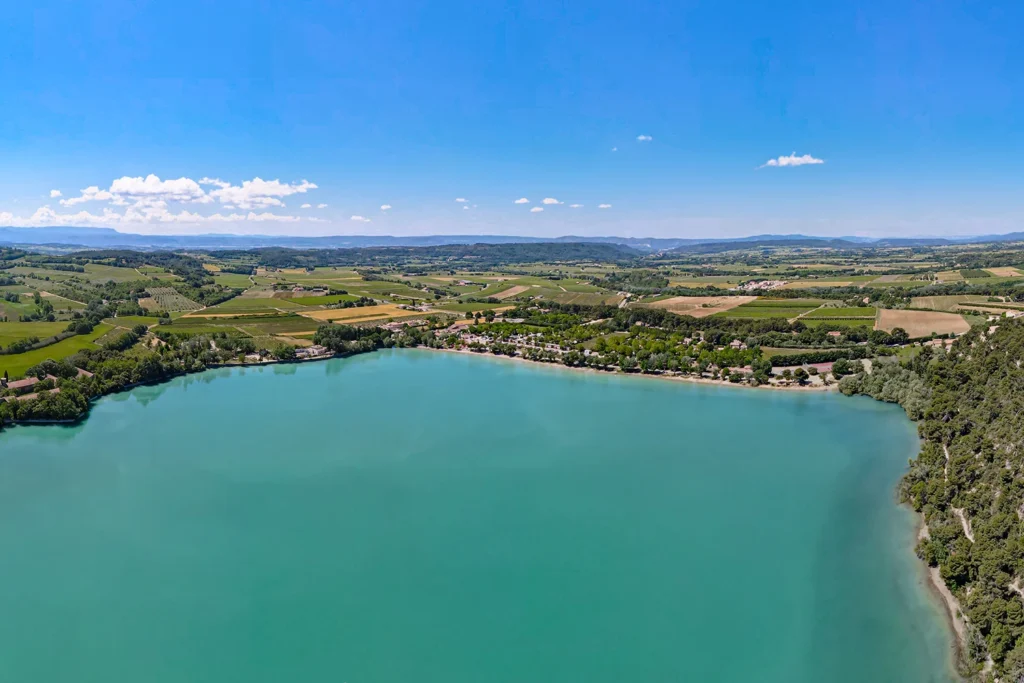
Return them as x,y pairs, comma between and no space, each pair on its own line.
945,468
966,523
959,512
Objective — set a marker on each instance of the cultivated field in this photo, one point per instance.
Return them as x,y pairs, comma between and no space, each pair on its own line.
807,284
509,293
359,314
699,306
772,308
859,312
168,299
921,323
946,303
1005,271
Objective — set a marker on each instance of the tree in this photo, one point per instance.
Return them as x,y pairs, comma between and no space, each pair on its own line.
800,375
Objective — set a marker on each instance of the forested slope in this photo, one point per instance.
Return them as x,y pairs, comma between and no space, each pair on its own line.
968,480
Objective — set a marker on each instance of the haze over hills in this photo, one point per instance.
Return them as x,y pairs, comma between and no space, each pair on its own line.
107,238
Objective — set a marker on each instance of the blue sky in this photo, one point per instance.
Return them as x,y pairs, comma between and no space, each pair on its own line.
916,110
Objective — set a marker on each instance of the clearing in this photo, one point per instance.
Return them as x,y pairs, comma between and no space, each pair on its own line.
921,323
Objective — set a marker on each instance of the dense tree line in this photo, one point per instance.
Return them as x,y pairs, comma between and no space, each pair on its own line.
188,268
968,479
473,256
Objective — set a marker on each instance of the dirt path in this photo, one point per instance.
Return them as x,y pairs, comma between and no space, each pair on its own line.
945,468
966,523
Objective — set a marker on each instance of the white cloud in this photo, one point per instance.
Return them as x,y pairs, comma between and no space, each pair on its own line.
792,160
270,217
461,200
644,138
321,206
152,191
385,207
550,200
604,206
6,217
54,194
44,215
575,206
466,208
306,206
521,200
615,149
536,209
89,194
257,193
359,219
152,188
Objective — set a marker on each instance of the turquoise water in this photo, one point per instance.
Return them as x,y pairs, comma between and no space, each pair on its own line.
418,517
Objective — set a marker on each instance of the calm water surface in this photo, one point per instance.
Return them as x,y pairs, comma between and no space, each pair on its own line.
415,517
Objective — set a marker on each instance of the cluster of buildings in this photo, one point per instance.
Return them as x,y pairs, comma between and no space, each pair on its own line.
23,389
755,285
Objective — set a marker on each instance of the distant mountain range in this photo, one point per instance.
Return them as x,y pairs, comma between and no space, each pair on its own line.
108,238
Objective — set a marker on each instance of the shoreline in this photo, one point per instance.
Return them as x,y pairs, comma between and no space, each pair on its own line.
672,378
944,599
213,366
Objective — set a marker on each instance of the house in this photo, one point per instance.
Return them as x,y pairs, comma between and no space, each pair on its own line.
82,373
29,397
737,344
21,386
835,333
314,351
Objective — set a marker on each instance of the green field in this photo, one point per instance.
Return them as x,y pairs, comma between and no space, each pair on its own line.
583,298
234,280
468,307
132,320
254,326
839,322
786,303
974,273
322,300
771,308
948,303
12,310
62,304
17,364
859,312
257,327
96,272
242,305
12,331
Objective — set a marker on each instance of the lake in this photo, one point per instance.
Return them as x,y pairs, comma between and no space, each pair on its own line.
424,517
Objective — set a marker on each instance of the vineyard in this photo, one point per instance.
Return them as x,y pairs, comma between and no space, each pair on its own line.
168,299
